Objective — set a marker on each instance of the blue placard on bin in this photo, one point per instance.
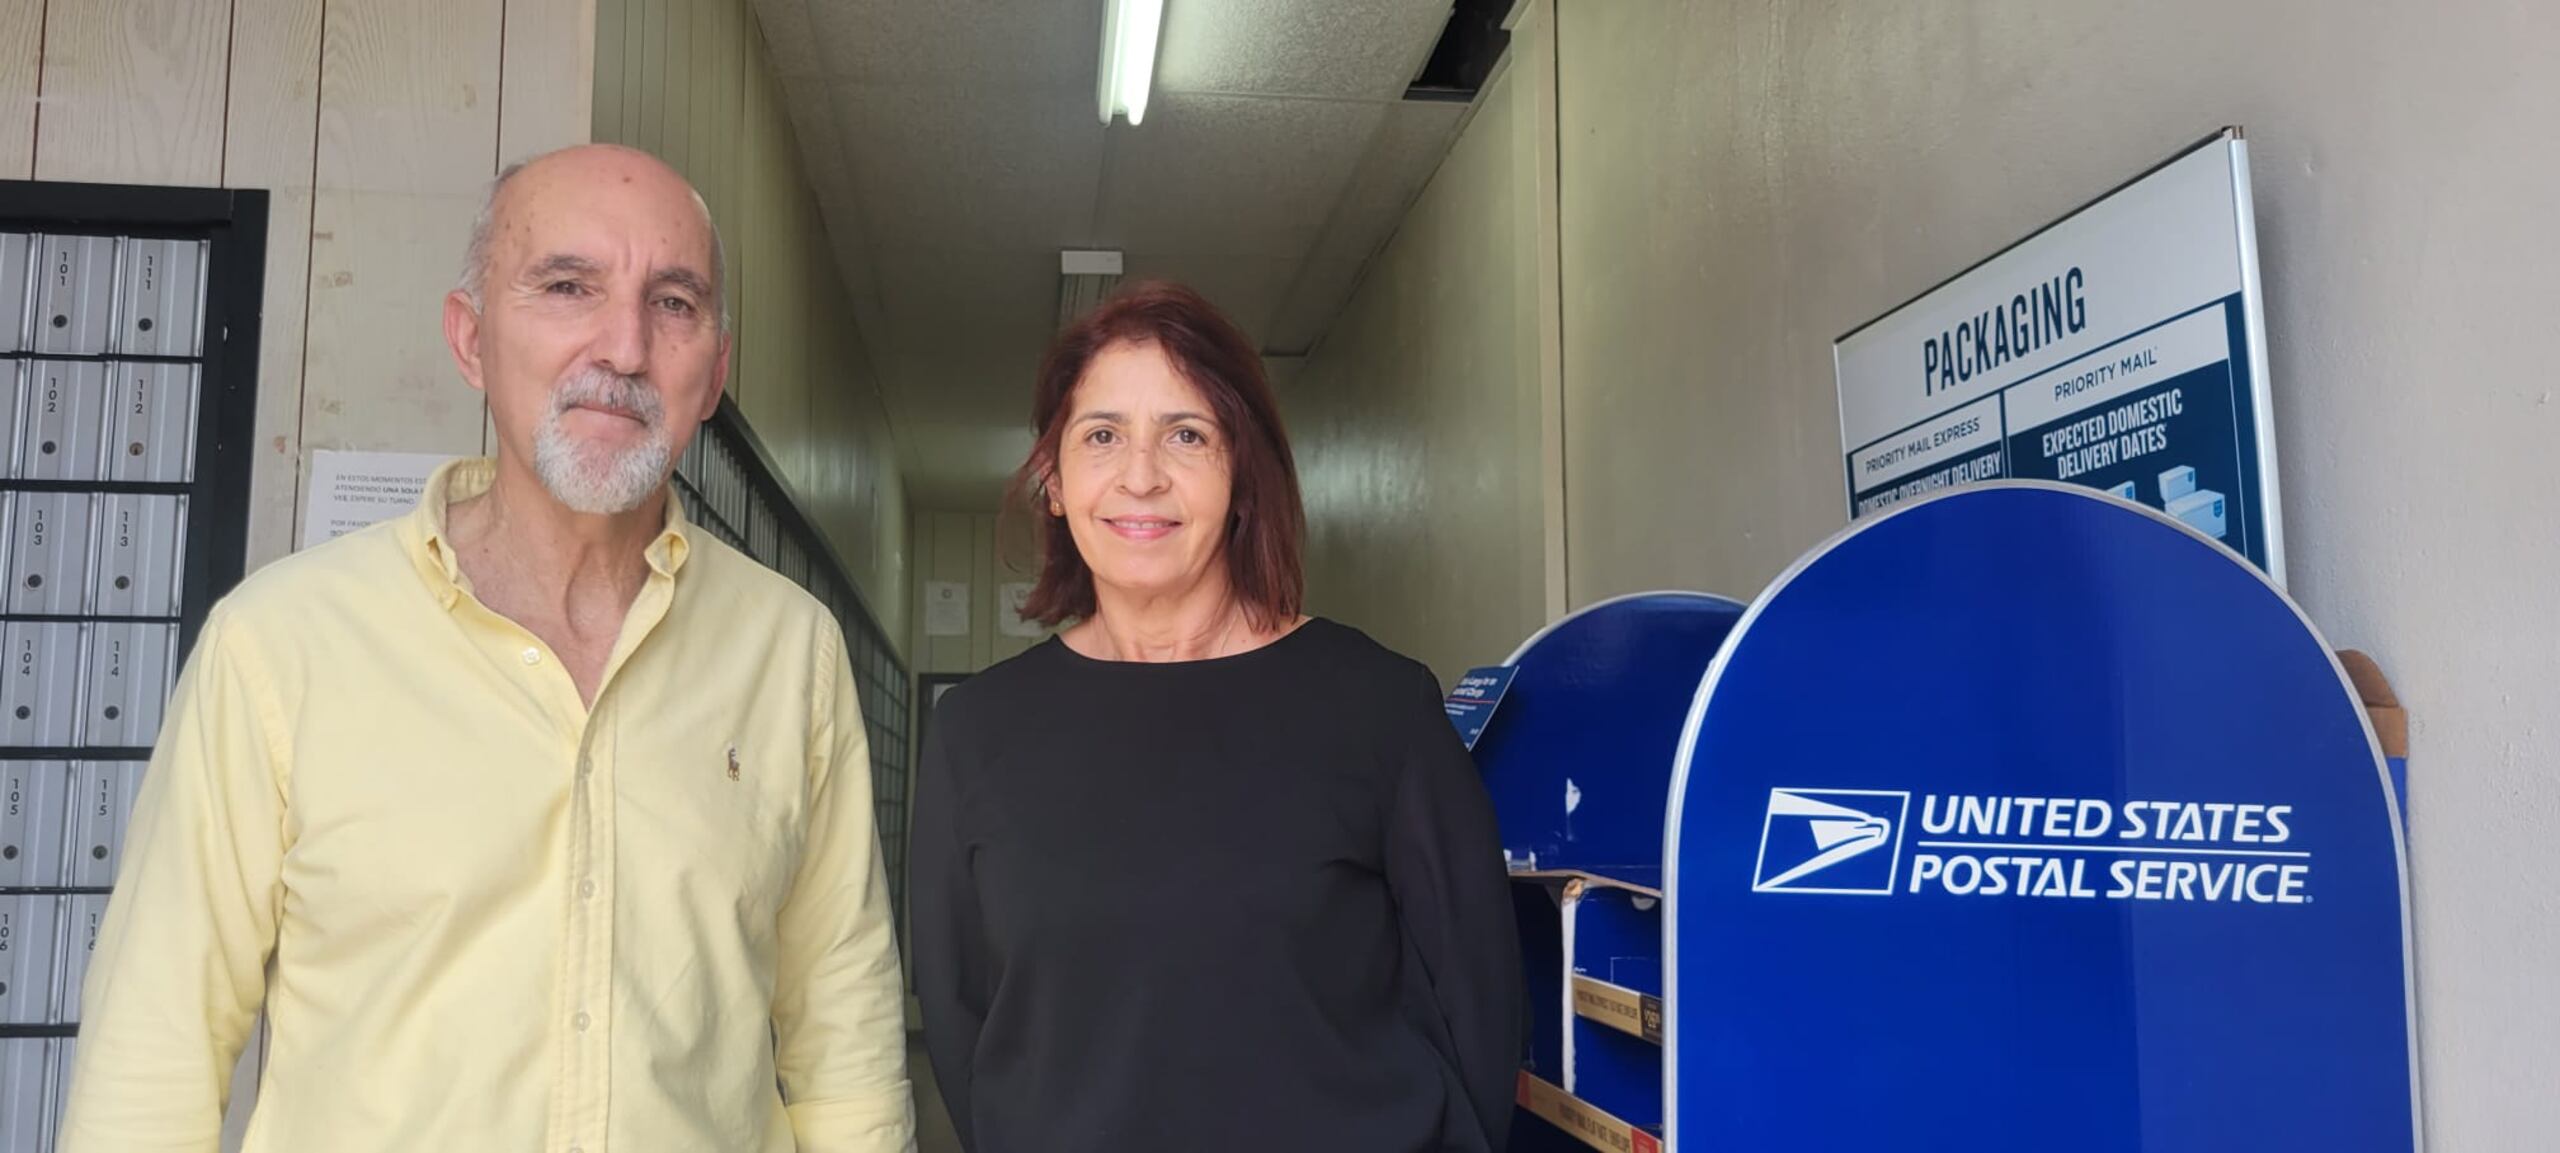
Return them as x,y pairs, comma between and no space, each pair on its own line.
2022,819
1472,703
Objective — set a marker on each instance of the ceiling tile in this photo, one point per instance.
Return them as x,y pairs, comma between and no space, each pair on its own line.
1246,288
1230,176
1400,161
957,43
786,36
1342,49
813,127
961,333
979,386
860,271
995,169
935,298
960,467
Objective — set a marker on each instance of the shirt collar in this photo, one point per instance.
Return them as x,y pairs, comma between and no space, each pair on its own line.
425,534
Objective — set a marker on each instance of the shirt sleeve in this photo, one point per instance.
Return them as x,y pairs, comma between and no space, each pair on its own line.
951,951
1444,864
839,1004
179,971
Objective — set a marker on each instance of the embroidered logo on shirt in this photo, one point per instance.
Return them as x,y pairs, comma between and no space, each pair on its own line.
733,762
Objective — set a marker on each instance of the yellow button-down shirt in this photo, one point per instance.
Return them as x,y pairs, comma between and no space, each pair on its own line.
480,915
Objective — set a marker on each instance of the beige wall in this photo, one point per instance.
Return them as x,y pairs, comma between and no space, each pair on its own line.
968,547
1743,181
693,82
1418,419
374,124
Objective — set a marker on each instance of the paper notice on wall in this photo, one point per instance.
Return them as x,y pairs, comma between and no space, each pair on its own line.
350,490
1009,599
946,608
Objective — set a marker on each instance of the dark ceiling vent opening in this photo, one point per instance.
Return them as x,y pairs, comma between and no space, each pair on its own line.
1470,45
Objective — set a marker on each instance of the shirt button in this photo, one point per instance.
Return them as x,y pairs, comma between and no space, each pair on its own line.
586,888
585,766
581,1022
533,656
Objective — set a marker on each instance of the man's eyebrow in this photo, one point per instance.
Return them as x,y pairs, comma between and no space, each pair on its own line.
684,278
560,263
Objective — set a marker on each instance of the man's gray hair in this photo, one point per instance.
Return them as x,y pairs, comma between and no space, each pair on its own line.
475,256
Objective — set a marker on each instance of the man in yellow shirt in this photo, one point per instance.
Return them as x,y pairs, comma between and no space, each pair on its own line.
536,819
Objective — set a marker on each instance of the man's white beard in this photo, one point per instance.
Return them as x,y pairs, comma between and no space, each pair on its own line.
592,478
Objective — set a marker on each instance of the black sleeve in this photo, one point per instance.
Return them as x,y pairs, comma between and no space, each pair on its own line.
951,962
1444,863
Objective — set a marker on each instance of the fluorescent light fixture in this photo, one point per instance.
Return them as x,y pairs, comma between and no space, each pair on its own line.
1129,30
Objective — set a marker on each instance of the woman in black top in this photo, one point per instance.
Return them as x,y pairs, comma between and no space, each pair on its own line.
1201,872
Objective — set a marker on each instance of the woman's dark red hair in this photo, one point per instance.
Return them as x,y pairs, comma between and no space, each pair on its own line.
1266,522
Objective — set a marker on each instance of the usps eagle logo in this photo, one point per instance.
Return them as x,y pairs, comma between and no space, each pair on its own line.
1831,841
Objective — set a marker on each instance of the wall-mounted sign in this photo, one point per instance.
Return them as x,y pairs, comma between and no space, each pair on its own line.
2122,349
946,608
351,490
1010,597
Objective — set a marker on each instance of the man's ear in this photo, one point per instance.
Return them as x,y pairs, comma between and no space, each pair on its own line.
462,335
719,376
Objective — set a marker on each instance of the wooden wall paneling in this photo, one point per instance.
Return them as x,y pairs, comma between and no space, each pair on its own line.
269,142
612,21
408,141
958,554
675,85
754,220
711,93
635,37
547,82
809,366
21,61
648,67
1010,550
132,91
943,553
982,590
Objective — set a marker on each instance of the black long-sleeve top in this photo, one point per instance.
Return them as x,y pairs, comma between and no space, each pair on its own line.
1244,904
